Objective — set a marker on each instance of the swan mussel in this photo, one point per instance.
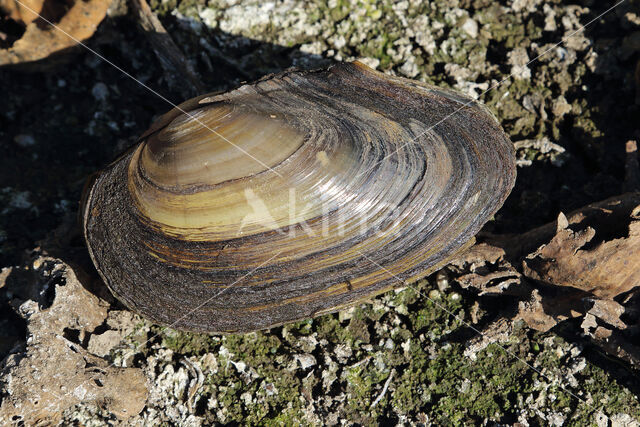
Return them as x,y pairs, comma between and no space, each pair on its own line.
293,196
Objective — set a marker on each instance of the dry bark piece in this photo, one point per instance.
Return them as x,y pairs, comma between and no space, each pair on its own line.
544,311
491,283
42,41
54,372
477,255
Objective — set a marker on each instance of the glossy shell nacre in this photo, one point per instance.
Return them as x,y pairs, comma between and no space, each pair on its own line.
296,195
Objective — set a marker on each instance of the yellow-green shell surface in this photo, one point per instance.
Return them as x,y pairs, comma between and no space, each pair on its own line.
294,196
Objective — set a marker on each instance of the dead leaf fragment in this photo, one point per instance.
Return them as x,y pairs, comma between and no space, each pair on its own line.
490,272
21,12
587,264
40,39
606,269
608,311
532,312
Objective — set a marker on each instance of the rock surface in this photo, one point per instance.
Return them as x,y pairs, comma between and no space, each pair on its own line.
52,371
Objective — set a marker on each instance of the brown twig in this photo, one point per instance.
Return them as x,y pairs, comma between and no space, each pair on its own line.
631,168
178,72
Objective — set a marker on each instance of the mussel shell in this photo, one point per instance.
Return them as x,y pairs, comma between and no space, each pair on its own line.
293,196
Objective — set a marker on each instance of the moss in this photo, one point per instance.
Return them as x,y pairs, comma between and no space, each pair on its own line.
253,347
185,342
186,7
358,328
505,28
587,126
612,399
163,7
433,314
359,388
410,392
339,12
408,295
302,327
242,391
289,417
255,384
378,48
330,328
460,389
